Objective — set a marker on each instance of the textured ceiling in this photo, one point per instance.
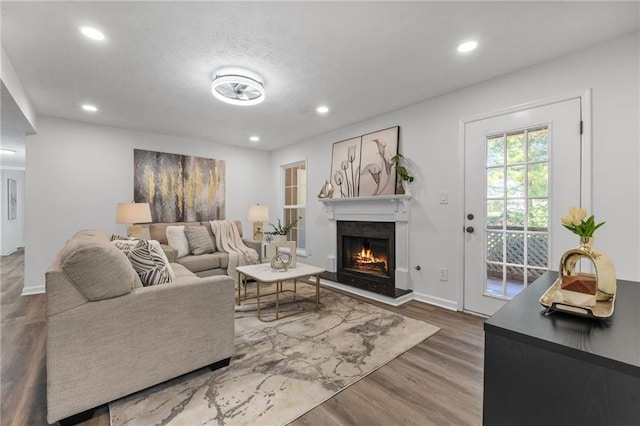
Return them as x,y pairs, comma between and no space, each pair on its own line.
362,59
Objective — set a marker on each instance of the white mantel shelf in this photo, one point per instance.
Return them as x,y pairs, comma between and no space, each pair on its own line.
381,208
388,208
396,197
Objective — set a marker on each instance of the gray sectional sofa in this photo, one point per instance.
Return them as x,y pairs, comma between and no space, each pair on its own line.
108,336
203,265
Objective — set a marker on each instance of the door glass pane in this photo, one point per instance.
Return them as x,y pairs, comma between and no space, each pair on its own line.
495,151
517,215
515,181
515,148
538,144
495,214
495,182
538,180
538,214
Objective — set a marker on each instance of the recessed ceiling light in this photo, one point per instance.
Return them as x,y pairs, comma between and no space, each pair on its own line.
467,46
7,151
90,108
238,88
92,33
322,109
254,139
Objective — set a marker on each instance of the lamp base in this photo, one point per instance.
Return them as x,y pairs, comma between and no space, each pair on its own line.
138,231
257,231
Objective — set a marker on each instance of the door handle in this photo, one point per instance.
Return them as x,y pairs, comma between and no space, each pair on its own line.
469,229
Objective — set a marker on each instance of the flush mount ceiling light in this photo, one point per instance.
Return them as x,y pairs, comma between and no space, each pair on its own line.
322,109
467,46
90,108
7,151
237,88
254,138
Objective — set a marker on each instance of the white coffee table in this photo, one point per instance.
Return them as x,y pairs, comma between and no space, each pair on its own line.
263,274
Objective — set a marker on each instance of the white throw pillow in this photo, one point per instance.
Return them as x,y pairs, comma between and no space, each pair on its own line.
177,239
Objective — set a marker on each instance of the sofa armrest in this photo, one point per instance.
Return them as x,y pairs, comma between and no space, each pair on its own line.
104,350
254,244
170,252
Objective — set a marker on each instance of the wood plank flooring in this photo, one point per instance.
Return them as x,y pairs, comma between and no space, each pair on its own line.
438,382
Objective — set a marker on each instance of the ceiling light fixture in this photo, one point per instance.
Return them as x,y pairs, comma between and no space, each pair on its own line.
467,46
7,151
89,108
237,88
322,109
92,33
254,139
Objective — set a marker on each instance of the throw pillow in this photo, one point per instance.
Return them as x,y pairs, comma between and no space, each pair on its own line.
199,240
158,248
149,262
177,239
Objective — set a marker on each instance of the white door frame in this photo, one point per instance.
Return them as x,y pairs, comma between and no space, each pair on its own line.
586,165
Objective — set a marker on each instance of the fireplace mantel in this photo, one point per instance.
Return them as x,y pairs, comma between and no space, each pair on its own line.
382,208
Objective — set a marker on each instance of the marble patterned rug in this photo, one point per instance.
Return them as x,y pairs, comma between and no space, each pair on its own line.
281,369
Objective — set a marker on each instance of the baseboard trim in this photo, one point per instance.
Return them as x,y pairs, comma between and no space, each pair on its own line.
437,301
28,291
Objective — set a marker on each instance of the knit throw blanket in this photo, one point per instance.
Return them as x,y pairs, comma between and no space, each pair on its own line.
228,239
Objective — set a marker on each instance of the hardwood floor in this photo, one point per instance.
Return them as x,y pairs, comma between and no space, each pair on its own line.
438,382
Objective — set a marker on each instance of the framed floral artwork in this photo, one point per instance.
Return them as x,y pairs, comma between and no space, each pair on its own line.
377,172
345,168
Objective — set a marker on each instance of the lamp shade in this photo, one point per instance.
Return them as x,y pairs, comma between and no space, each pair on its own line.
258,213
130,213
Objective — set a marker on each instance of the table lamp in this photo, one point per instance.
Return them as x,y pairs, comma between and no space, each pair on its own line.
258,214
133,214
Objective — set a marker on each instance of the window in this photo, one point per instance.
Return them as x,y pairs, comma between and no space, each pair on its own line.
294,209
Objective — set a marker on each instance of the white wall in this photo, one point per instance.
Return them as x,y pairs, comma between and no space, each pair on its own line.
429,135
76,173
12,231
14,86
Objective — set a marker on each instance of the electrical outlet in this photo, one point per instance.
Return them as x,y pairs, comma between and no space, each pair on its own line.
444,274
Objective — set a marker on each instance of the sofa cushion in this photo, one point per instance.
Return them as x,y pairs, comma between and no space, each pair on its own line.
200,242
177,239
203,262
150,263
158,231
98,270
148,259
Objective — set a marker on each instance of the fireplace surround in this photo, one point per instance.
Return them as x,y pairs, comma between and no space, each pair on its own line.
390,210
366,255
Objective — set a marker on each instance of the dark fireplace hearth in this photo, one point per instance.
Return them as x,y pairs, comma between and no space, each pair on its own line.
366,256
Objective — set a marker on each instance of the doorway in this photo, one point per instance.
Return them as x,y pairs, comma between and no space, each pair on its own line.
523,169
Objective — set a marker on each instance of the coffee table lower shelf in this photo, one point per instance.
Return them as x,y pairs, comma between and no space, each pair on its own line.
263,274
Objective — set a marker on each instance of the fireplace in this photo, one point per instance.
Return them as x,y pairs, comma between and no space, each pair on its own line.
366,256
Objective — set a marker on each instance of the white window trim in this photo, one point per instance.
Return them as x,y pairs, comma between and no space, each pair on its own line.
281,197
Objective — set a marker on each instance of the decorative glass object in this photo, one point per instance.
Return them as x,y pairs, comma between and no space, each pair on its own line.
586,289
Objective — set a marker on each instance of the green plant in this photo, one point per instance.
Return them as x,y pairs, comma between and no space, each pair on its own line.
575,222
281,229
402,170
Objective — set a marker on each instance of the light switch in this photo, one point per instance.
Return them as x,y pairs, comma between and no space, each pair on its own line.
444,197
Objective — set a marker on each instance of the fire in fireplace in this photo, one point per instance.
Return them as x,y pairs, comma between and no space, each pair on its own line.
366,255
364,259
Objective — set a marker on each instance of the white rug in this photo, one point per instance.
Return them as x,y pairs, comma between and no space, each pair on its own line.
281,369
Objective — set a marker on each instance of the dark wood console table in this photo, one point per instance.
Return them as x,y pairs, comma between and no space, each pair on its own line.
562,369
